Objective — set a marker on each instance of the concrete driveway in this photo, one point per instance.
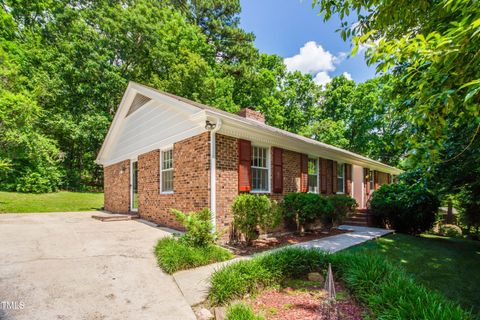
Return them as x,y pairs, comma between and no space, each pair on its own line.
70,266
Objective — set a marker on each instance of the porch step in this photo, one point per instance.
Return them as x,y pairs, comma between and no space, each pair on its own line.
117,217
360,218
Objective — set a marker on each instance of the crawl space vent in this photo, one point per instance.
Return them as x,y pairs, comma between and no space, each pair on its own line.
137,103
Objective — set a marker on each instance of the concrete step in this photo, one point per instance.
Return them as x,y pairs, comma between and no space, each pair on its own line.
116,217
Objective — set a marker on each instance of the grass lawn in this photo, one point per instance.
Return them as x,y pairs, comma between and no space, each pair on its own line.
449,265
14,202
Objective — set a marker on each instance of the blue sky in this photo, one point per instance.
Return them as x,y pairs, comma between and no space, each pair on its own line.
293,30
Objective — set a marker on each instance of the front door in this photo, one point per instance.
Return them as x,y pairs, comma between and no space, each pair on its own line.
134,187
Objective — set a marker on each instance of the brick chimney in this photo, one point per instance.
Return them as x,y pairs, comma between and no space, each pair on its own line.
251,114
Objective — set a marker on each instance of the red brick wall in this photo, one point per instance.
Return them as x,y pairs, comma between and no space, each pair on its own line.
191,181
117,187
227,182
227,179
291,174
191,178
251,114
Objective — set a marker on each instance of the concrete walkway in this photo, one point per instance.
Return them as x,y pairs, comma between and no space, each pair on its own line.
70,266
346,240
194,283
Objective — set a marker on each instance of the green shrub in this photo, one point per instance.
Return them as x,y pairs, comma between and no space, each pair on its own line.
248,277
251,212
198,227
407,209
305,208
389,292
384,288
241,311
35,182
447,230
342,206
174,255
469,208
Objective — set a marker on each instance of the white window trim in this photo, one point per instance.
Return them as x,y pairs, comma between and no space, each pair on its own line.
269,177
318,175
161,169
343,179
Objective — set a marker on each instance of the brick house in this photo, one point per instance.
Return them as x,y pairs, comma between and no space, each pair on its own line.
163,151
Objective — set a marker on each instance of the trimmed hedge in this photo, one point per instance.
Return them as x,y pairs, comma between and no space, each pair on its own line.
384,288
307,207
407,209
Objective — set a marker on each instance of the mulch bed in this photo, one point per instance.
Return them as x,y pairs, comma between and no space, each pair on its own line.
264,244
306,304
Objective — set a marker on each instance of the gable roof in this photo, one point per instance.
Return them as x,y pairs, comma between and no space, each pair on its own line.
201,112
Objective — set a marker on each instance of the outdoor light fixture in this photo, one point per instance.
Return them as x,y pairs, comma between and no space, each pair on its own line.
209,125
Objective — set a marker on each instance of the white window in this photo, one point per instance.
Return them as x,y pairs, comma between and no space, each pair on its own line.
341,178
260,169
313,175
166,171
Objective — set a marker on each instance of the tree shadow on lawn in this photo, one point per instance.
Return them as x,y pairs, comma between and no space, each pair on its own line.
448,265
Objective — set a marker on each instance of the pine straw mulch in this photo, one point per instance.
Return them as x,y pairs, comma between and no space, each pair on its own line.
306,302
271,242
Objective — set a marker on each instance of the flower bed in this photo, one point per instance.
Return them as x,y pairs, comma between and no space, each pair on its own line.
384,289
277,241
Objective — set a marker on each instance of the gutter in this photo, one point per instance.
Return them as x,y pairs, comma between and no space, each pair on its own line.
213,128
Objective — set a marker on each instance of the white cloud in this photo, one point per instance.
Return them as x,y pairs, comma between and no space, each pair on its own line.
347,75
311,59
317,61
322,78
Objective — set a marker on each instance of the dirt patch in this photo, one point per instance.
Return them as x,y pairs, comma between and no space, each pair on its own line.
271,242
307,302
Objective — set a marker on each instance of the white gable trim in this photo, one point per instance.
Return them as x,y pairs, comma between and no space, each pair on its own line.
157,98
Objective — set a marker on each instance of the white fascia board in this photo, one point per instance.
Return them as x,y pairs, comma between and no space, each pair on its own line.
122,110
246,130
116,125
169,141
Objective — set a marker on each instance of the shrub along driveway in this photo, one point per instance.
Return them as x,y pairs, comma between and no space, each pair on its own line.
70,266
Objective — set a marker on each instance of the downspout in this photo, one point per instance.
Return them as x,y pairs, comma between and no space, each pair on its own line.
213,176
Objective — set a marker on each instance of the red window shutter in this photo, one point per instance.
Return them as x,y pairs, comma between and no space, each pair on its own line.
303,173
334,177
348,179
329,176
277,170
244,165
389,178
323,175
375,180
366,175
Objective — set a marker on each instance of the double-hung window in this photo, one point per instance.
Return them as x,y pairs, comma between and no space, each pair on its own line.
260,169
341,178
166,171
313,175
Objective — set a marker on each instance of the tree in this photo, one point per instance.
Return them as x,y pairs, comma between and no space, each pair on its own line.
433,48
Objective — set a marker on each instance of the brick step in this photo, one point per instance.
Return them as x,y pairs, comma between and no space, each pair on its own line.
117,217
357,218
359,215
355,223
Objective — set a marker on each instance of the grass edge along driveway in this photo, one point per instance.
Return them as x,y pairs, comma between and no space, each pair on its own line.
62,201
